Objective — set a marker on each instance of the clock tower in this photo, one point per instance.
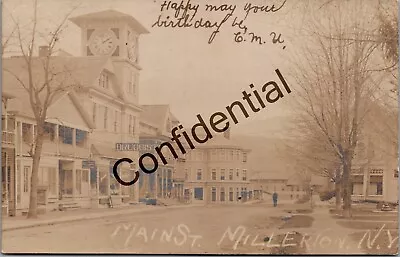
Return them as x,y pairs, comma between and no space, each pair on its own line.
116,35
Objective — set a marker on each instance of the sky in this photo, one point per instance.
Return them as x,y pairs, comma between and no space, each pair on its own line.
180,68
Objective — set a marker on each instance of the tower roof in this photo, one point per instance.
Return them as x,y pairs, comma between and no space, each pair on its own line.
110,15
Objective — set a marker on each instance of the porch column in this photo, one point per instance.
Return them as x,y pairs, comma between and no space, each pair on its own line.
162,183
385,185
20,136
108,177
57,138
74,180
365,182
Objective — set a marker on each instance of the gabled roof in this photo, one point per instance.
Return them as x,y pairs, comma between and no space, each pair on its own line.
155,114
110,15
67,75
68,70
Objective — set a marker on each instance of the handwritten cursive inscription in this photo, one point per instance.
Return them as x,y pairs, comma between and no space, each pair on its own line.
185,14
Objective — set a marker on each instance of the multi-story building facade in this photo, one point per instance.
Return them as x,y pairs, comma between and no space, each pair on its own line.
83,125
61,176
156,122
375,163
216,172
110,39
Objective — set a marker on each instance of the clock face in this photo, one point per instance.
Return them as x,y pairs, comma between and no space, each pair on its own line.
132,44
103,42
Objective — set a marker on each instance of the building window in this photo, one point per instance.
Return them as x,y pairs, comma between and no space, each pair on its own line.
103,172
231,155
198,193
105,117
65,134
199,155
244,175
199,174
132,121
49,131
132,83
80,138
213,154
94,112
244,157
237,155
222,199
130,124
237,172
231,174
104,80
214,175
213,194
116,121
27,135
379,188
231,194
222,174
26,178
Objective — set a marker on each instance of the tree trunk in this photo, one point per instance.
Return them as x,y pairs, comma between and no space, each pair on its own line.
346,185
338,196
32,213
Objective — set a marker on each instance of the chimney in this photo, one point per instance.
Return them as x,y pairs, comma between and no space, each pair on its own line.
227,133
44,51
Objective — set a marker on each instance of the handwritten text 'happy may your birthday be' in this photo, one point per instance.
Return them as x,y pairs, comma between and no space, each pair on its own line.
185,14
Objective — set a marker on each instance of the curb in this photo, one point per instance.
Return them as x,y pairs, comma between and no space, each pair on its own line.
56,222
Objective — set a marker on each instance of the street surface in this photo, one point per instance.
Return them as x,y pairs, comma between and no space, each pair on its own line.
188,230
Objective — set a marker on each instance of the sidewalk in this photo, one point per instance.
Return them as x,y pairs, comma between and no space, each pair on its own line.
59,217
324,237
333,238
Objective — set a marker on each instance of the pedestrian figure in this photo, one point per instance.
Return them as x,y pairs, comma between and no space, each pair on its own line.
275,199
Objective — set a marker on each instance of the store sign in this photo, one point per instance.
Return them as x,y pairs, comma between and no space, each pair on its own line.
134,147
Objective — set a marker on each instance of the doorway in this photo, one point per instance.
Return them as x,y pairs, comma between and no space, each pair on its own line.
65,179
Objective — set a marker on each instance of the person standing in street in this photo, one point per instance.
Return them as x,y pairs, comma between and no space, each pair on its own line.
275,199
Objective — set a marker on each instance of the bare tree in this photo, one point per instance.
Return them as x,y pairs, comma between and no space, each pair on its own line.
336,80
44,80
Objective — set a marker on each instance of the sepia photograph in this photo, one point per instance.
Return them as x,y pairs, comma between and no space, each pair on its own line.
201,127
